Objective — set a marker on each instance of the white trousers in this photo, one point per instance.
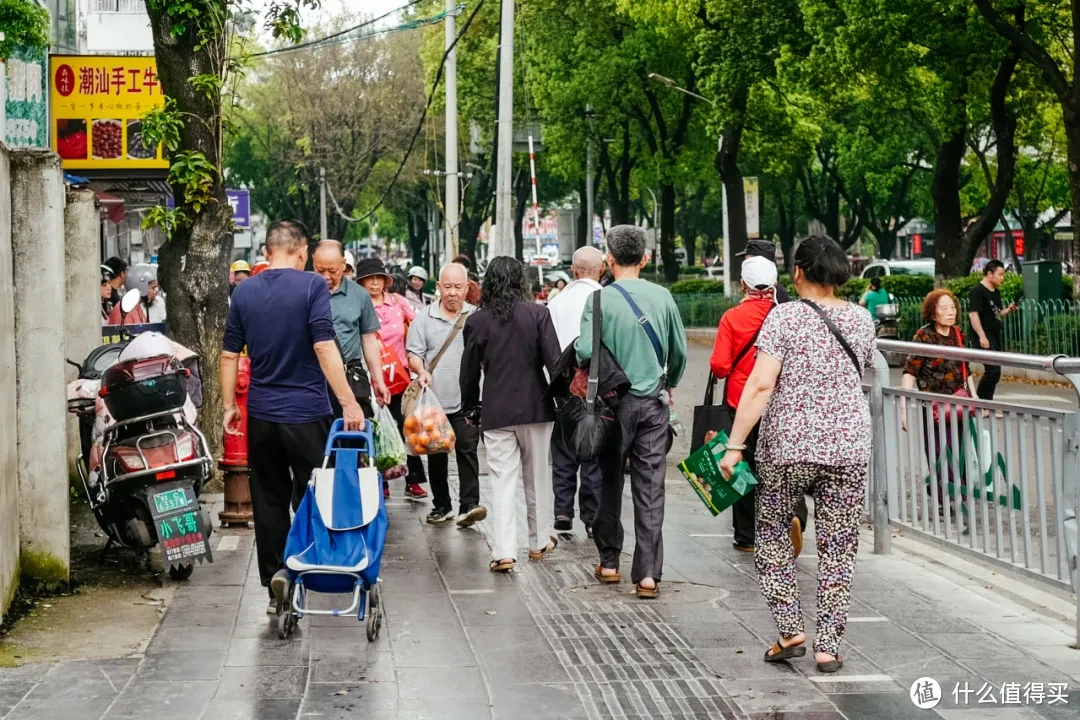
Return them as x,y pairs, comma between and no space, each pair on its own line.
520,450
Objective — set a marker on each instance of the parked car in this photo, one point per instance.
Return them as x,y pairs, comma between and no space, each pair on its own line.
884,268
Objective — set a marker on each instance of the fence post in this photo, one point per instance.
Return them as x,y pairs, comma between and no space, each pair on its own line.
879,480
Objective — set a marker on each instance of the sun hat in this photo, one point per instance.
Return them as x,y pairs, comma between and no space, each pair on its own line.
369,267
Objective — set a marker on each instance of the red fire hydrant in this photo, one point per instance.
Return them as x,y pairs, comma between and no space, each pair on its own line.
234,462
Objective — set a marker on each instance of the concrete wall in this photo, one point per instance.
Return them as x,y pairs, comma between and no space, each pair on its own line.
9,476
82,298
37,241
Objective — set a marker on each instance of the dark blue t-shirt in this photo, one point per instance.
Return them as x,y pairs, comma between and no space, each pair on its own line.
279,315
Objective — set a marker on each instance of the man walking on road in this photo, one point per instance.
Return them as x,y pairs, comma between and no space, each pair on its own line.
435,345
566,310
282,316
643,330
355,324
985,312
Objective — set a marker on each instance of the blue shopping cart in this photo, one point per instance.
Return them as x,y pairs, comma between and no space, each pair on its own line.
337,536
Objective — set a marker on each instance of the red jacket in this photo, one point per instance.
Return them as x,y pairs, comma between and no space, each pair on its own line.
737,327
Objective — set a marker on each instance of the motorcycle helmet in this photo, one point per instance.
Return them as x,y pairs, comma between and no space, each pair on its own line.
417,271
139,278
147,345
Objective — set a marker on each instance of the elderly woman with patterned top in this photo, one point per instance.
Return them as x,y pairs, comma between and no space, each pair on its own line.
814,437
941,376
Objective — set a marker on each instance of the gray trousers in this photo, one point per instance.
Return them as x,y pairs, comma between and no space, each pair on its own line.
564,480
640,433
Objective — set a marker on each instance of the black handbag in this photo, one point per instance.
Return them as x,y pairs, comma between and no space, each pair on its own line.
585,424
715,417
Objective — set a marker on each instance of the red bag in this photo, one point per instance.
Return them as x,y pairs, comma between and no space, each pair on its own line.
395,374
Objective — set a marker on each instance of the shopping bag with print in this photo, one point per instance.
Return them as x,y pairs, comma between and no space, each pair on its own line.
702,470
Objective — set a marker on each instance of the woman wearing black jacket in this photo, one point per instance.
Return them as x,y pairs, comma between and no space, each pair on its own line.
512,341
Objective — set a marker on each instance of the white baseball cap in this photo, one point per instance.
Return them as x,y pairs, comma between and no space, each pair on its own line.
758,273
350,260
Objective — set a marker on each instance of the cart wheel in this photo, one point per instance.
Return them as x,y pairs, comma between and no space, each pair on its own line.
179,573
286,623
375,613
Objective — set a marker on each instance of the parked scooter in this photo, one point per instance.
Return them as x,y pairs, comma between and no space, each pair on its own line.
886,322
143,461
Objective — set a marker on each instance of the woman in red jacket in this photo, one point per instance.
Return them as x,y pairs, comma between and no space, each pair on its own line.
733,357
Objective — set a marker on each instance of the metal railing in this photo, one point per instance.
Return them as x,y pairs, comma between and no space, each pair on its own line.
998,481
1039,328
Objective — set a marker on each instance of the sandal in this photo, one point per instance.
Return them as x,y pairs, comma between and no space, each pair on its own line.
598,573
779,653
831,666
549,548
645,593
504,565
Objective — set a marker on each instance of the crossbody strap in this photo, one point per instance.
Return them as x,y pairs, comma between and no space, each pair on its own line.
594,363
837,334
643,321
449,339
710,386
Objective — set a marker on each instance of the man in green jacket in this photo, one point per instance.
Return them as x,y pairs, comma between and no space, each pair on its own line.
642,329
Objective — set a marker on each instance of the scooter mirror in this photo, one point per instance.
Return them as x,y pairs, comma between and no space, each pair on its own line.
130,301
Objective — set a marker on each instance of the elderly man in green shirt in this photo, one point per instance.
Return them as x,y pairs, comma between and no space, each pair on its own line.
355,324
644,332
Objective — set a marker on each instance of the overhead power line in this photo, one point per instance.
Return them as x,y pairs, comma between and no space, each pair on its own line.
419,126
346,31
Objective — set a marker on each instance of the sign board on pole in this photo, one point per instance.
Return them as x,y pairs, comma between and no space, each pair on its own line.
239,201
753,209
97,102
26,105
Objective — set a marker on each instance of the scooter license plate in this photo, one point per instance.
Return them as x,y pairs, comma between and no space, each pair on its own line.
172,500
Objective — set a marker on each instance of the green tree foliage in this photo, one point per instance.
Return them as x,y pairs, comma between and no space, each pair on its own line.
24,24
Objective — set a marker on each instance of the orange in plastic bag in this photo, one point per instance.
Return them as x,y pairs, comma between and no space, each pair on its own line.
427,429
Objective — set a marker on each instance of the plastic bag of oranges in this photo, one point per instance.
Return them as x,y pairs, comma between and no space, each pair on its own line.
427,430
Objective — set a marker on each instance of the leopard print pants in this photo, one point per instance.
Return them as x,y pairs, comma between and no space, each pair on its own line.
838,494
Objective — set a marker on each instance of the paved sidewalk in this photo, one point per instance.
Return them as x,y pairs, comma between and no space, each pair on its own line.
548,642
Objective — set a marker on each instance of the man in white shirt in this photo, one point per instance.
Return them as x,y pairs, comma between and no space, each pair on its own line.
566,309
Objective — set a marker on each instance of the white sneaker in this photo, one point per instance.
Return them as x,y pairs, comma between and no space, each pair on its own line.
472,517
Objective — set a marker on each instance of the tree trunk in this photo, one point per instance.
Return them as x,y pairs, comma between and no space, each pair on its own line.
945,190
727,164
194,264
1072,136
418,237
788,219
667,232
522,197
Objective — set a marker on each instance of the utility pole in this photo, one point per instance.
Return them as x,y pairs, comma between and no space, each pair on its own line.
589,180
322,204
504,215
452,178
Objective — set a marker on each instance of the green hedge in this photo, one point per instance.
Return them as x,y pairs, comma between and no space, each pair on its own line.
697,286
693,270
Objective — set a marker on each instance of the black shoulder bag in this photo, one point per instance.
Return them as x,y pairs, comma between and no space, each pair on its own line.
585,423
716,417
838,335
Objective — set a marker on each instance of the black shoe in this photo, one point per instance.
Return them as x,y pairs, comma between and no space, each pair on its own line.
440,515
743,547
564,523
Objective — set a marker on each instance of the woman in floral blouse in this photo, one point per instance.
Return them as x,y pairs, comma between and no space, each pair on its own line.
806,387
940,376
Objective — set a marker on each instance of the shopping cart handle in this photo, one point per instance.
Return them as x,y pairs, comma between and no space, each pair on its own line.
338,432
